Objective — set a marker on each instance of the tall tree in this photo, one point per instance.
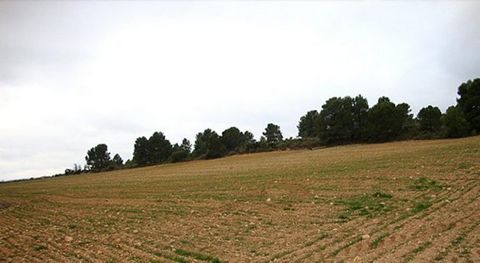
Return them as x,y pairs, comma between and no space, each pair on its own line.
307,124
248,138
186,146
159,148
386,121
233,139
469,102
272,133
181,152
117,160
455,123
98,157
208,144
360,118
405,118
141,151
429,119
336,120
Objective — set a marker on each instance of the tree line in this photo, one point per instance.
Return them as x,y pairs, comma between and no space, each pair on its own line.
341,120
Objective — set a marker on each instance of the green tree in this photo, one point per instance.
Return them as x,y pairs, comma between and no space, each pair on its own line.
343,120
181,152
336,120
273,134
307,124
360,118
455,123
429,119
233,139
160,148
386,121
469,102
141,151
405,119
117,160
248,138
208,144
186,146
98,157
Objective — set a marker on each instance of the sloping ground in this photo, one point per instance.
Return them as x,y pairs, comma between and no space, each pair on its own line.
393,202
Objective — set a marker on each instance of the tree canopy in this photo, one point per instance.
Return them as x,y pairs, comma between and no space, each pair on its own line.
98,157
386,121
469,102
429,119
209,144
307,126
455,123
272,133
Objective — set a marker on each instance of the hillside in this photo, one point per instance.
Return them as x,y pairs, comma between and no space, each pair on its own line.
392,202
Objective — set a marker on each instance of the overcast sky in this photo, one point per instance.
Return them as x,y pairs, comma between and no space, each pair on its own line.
75,74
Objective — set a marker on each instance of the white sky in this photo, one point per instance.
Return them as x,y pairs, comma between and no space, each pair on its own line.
75,74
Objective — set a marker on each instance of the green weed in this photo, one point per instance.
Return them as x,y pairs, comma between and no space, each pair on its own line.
366,205
424,183
197,255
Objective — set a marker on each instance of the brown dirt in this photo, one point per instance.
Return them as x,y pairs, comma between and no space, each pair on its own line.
279,206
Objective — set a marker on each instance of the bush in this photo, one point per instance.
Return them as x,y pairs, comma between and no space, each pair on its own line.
178,156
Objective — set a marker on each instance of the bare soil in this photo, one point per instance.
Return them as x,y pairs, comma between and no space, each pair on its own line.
415,201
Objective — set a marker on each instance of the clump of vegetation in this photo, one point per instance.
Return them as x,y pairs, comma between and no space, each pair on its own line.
419,207
424,183
369,205
197,255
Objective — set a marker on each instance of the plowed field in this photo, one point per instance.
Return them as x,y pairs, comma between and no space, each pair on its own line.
394,202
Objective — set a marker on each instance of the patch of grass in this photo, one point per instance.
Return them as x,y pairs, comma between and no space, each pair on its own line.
376,242
424,183
420,206
369,205
458,240
197,255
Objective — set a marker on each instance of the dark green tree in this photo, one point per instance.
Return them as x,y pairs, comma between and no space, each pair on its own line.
208,144
469,102
360,118
248,138
386,121
336,120
233,139
160,148
98,157
181,152
406,121
186,146
307,125
455,123
117,160
429,119
273,134
141,151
